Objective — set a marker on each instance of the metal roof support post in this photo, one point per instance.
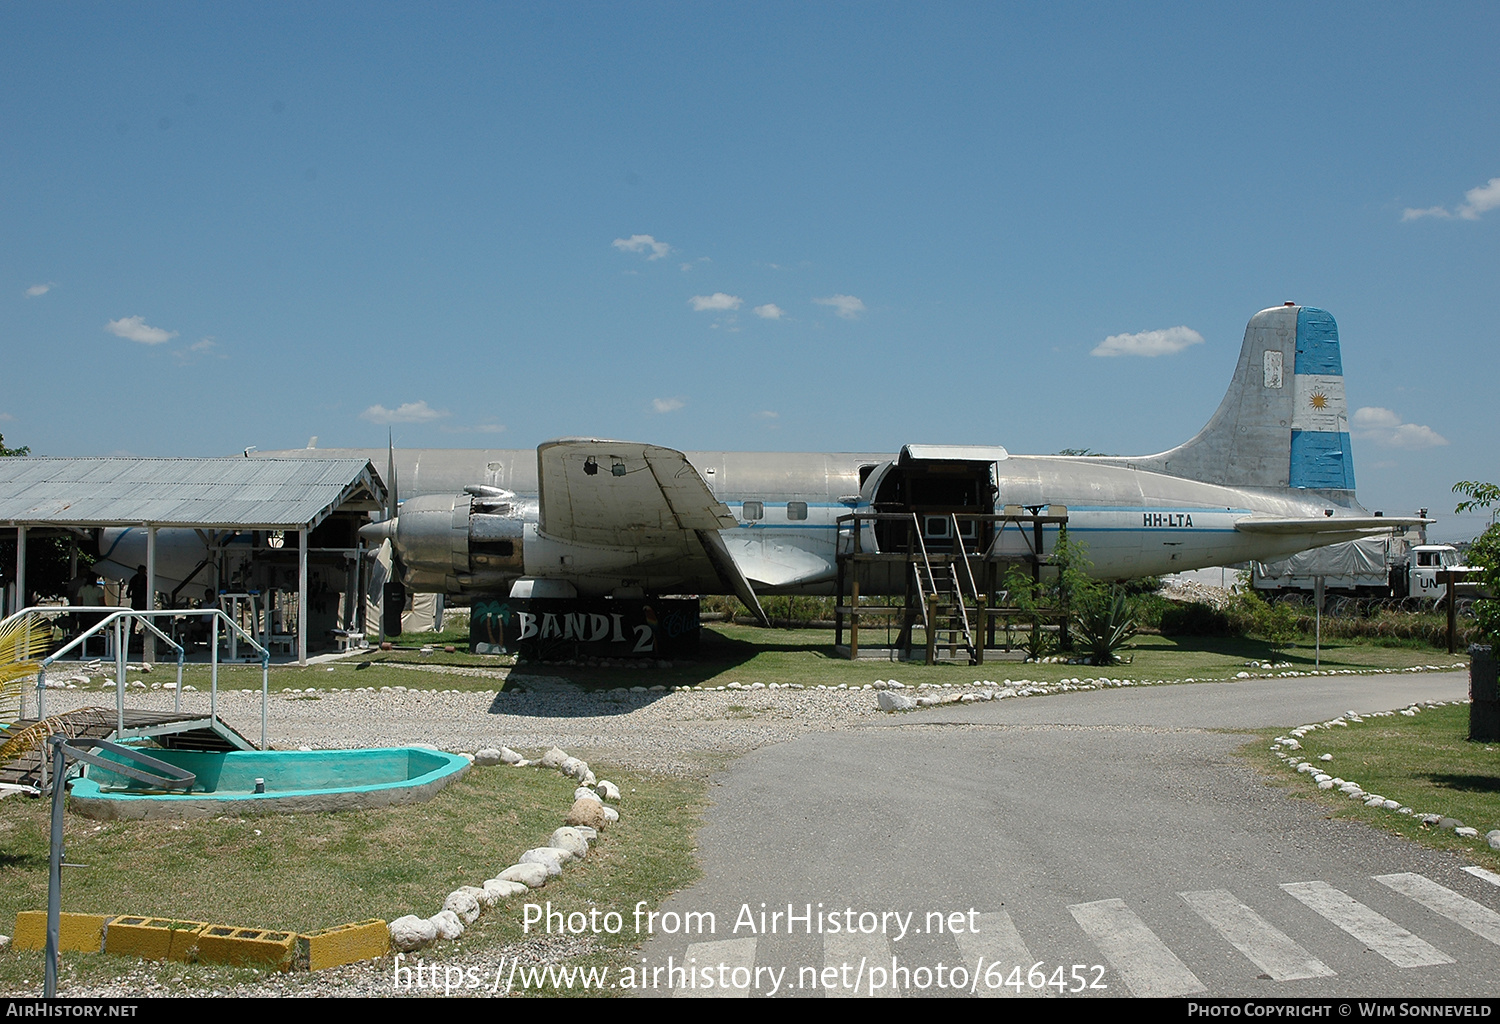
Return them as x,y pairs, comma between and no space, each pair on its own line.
302,596
148,641
361,598
21,601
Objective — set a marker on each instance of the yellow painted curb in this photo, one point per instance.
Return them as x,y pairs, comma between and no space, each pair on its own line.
343,944
225,944
153,938
80,933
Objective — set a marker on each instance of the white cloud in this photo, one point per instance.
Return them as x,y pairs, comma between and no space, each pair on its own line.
770,311
1148,343
1485,197
642,243
1432,211
135,328
6,417
200,349
1478,200
1386,428
767,414
406,412
667,404
846,306
718,301
39,289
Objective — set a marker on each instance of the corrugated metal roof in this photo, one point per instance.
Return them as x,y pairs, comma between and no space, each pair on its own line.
276,493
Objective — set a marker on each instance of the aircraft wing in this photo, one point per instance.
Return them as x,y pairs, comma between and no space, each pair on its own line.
618,493
1326,524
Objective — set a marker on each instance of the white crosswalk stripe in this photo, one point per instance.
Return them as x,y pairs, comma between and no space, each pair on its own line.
1142,963
860,953
1263,944
997,943
1142,960
1483,873
1377,932
1476,917
732,953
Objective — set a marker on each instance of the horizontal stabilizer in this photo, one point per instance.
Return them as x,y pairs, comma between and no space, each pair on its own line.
622,493
1327,524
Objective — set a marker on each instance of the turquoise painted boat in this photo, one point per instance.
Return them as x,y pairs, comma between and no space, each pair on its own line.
294,781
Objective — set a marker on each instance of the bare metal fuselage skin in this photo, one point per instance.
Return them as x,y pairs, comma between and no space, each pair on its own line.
1130,522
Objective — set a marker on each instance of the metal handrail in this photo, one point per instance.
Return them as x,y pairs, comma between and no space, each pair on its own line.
963,612
963,552
115,618
926,625
916,526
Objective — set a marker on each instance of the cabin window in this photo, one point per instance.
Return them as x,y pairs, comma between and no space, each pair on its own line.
796,510
753,510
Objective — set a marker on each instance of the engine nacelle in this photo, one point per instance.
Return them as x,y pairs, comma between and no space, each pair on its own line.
472,541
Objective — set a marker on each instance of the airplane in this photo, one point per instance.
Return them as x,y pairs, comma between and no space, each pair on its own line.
1271,474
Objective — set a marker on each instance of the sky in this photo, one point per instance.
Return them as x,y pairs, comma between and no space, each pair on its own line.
759,226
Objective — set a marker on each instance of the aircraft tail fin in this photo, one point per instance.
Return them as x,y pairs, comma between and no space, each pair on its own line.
1284,422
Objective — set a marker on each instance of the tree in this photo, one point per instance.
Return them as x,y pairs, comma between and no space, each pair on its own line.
47,556
1272,621
1485,554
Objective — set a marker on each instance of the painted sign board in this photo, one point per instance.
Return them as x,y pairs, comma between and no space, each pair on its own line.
552,629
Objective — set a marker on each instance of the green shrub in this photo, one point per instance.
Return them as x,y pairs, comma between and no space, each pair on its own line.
1194,618
1104,624
1147,609
1275,622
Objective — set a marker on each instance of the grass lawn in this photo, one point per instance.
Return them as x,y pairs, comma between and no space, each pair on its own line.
1426,762
750,654
307,871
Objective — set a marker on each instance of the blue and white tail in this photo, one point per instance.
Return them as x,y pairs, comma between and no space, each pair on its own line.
1274,429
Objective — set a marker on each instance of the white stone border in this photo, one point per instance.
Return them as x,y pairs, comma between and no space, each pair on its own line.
988,689
1324,781
585,819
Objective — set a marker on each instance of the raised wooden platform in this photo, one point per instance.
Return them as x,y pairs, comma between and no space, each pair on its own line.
187,730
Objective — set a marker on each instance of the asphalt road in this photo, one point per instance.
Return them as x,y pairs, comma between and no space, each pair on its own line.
1108,839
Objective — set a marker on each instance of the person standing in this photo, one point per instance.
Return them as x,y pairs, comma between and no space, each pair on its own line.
140,598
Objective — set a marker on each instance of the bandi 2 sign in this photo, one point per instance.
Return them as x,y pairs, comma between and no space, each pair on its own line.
551,629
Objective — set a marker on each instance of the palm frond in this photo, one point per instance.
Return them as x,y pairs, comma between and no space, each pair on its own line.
22,640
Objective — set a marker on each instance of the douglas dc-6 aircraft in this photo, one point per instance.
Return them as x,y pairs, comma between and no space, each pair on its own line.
1270,475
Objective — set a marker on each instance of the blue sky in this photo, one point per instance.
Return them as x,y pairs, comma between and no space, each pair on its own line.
757,226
